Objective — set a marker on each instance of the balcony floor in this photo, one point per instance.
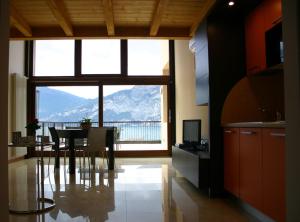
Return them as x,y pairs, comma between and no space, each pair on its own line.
140,189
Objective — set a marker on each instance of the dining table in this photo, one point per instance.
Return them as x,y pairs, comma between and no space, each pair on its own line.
72,134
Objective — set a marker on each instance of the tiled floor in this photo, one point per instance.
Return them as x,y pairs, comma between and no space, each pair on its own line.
140,190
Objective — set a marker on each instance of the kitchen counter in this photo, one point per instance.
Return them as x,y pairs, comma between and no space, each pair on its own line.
274,124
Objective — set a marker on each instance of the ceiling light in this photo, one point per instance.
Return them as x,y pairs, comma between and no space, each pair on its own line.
231,3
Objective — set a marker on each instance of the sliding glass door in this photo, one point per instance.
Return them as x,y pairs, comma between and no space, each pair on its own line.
139,112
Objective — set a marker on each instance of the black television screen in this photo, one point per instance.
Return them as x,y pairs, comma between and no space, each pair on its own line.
192,132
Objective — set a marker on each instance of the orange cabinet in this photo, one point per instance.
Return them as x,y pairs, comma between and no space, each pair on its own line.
261,19
251,166
254,168
273,13
273,167
255,41
231,160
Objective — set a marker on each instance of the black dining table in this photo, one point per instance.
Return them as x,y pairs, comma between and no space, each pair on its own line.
72,134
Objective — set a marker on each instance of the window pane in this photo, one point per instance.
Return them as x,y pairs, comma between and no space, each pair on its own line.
54,58
63,104
140,115
148,57
101,57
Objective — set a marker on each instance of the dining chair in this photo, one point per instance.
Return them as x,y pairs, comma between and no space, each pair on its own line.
79,144
58,146
96,143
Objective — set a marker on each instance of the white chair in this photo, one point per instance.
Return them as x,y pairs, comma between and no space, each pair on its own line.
96,144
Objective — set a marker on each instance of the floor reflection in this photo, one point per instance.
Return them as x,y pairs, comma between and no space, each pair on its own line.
147,190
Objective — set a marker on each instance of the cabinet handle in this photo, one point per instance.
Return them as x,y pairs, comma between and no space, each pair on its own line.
278,134
228,131
276,21
248,132
254,68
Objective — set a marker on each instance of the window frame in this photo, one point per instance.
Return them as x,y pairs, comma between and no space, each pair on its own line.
105,79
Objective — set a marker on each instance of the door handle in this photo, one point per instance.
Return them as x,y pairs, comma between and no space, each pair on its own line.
248,132
228,131
277,21
278,134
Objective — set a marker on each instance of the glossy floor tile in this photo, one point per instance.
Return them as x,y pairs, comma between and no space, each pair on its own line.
139,190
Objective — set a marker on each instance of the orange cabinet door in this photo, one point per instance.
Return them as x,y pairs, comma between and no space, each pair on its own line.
273,168
255,41
231,160
272,13
251,166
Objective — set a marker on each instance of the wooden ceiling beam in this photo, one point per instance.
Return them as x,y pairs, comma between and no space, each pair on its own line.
96,32
59,11
201,16
157,16
109,16
19,22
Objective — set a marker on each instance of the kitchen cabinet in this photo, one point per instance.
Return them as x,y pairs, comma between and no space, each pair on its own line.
231,160
260,20
273,168
273,13
257,155
255,41
250,166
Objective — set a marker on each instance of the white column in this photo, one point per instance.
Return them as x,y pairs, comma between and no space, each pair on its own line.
291,37
4,24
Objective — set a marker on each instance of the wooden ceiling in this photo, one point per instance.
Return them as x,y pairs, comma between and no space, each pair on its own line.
48,19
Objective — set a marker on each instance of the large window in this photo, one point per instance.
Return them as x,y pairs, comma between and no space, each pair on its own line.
101,57
148,57
54,58
72,76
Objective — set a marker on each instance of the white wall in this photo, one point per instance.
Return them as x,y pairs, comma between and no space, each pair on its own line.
16,56
16,95
185,90
4,30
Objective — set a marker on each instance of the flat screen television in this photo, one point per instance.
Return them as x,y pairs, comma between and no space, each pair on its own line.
192,132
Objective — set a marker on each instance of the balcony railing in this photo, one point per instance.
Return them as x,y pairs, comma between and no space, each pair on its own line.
126,131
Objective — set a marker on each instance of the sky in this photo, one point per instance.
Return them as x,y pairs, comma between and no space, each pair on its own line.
56,57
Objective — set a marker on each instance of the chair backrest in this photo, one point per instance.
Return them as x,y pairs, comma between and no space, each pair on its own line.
73,127
55,137
96,139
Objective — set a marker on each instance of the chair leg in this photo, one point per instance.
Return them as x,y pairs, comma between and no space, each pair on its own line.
65,157
80,162
107,162
84,159
49,158
99,161
103,159
89,165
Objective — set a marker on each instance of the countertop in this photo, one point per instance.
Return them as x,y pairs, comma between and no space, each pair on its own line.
275,124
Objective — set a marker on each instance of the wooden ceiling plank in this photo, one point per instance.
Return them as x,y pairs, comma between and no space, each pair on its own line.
157,16
109,16
201,16
19,22
59,11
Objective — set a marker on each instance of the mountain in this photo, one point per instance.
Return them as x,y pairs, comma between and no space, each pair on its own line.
139,103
